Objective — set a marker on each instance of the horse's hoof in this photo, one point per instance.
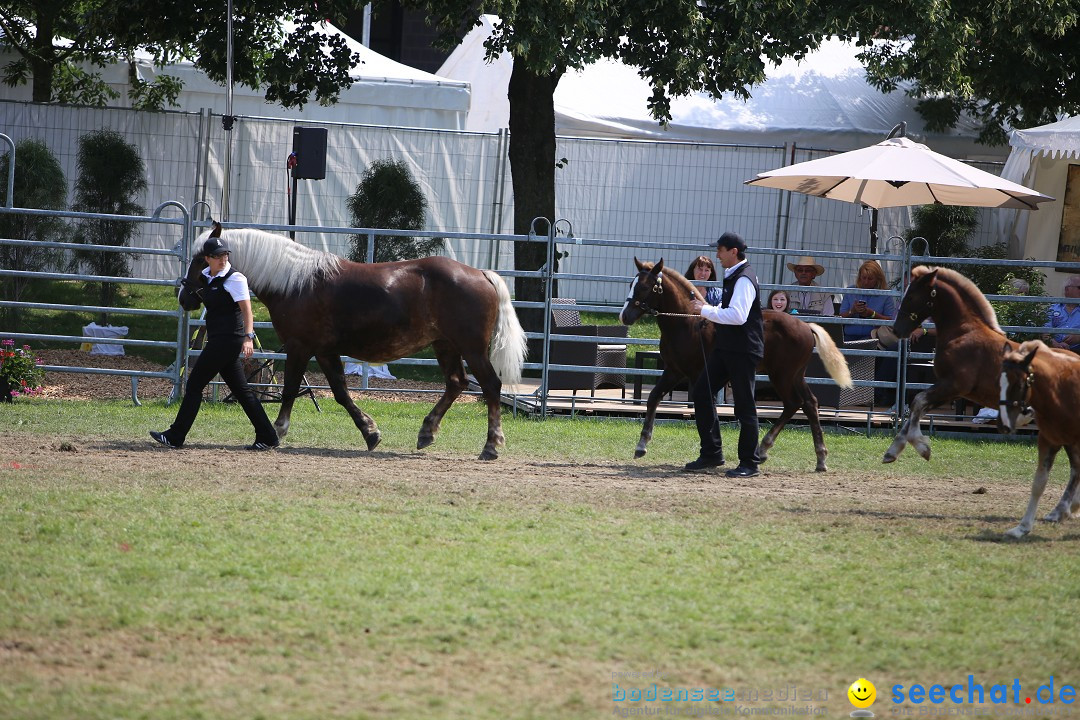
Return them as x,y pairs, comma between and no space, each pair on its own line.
1055,515
373,440
639,453
821,468
1016,533
888,458
924,451
424,440
489,454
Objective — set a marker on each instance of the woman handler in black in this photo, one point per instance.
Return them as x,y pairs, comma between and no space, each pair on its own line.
229,332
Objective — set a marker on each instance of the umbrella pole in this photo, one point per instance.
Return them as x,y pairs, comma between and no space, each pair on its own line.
899,130
873,231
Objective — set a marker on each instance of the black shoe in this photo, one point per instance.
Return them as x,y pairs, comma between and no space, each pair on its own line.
163,439
704,462
260,446
743,471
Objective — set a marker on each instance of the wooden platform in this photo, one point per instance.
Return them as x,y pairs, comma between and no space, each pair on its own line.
606,402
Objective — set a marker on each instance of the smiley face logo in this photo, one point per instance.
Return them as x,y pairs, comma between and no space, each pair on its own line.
862,693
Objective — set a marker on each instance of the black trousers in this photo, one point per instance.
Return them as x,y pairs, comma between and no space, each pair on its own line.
221,355
722,368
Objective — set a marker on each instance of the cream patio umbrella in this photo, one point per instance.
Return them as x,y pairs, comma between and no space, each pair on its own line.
898,172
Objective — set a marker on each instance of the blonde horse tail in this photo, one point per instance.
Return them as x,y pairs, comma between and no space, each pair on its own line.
831,357
508,343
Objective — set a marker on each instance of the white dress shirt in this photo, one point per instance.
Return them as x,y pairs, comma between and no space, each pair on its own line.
743,296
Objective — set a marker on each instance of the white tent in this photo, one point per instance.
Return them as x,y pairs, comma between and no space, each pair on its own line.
1041,159
823,101
384,92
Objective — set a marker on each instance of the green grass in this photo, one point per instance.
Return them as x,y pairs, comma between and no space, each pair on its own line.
323,582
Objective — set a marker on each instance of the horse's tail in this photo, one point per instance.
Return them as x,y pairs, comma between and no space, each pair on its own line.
831,357
508,343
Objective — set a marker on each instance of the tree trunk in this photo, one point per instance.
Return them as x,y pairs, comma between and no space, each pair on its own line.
532,169
44,58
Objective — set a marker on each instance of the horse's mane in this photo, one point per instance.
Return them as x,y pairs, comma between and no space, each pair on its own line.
274,263
978,302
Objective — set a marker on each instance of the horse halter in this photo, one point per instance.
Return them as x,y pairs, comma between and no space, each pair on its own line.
644,307
929,306
1021,403
189,286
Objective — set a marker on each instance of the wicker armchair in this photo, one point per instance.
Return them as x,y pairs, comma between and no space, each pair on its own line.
606,352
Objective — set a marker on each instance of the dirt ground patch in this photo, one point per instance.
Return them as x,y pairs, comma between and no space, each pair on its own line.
940,502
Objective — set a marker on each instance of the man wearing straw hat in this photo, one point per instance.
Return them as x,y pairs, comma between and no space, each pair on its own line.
809,302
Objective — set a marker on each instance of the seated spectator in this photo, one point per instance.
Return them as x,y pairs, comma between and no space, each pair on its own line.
778,301
870,307
1065,316
702,269
809,302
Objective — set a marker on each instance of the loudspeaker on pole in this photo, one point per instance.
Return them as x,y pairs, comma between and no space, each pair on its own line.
309,144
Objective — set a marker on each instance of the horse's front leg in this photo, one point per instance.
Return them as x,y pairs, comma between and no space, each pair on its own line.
456,382
1047,453
294,373
335,377
910,432
1069,503
664,384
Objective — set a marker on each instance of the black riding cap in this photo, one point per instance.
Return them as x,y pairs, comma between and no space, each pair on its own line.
731,240
214,246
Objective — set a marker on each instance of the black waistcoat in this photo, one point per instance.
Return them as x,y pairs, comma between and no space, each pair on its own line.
223,317
750,336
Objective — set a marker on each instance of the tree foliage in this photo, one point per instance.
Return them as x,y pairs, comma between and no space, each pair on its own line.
39,183
111,176
946,229
389,197
289,66
1003,63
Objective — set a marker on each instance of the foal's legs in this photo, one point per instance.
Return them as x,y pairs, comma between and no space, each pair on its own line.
1047,453
1069,503
456,382
664,385
796,394
910,431
335,376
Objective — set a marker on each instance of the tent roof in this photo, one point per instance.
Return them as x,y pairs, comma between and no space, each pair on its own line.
1058,139
822,101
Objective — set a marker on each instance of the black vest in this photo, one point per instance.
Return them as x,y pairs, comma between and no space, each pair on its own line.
750,336
223,318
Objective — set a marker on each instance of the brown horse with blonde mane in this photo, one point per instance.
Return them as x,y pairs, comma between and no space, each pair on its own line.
323,306
685,342
1045,380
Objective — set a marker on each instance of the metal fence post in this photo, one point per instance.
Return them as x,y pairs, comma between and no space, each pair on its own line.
548,271
11,171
